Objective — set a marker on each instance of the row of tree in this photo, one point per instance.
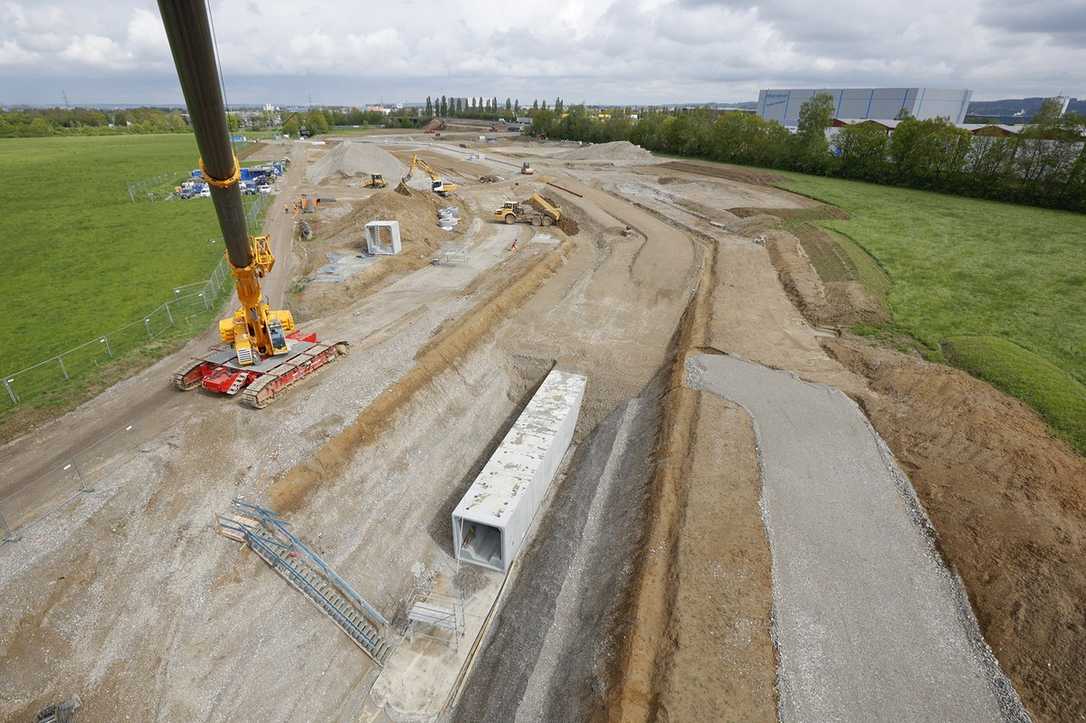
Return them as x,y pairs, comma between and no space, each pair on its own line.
483,108
35,122
1044,165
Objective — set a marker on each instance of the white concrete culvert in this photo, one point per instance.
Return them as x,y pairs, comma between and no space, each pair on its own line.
869,623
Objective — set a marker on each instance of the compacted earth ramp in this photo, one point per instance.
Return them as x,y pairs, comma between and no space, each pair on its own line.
868,621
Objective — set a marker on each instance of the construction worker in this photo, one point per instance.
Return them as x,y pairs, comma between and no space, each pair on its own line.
514,246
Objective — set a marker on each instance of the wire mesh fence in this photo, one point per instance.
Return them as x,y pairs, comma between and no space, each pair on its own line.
156,188
187,312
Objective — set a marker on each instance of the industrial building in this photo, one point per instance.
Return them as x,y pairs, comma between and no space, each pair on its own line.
783,106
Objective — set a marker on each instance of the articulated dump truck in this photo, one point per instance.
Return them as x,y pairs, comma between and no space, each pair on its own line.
536,211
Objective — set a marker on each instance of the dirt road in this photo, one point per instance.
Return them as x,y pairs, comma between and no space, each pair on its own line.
869,622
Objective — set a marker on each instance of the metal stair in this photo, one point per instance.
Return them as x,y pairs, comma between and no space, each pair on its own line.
269,538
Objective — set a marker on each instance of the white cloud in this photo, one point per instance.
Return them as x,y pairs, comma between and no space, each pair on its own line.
607,50
11,53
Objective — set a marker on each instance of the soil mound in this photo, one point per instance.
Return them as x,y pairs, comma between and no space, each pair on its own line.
417,214
355,159
614,151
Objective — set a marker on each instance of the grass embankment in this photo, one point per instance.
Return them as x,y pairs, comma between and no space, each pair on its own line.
994,288
83,260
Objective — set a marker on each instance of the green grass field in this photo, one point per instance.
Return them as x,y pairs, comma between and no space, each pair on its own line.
81,258
992,272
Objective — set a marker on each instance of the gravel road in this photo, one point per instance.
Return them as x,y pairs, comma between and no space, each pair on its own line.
869,623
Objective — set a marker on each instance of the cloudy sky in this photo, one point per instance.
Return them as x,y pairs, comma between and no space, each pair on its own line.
632,51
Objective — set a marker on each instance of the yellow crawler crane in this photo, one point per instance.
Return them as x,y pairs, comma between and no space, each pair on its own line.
265,354
255,324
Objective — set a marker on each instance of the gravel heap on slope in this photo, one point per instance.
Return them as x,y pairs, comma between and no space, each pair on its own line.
614,151
355,159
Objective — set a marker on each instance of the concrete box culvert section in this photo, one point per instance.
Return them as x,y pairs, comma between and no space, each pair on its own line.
869,623
490,522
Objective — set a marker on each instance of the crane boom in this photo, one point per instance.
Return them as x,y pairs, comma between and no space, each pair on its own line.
254,329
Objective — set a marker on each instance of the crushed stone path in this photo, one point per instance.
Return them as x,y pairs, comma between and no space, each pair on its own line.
868,621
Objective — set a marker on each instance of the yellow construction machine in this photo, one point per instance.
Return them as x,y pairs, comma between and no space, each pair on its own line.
376,181
536,211
437,184
263,355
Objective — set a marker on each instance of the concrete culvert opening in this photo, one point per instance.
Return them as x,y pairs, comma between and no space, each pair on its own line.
479,543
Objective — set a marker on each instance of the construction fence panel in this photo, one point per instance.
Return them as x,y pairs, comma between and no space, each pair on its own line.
191,309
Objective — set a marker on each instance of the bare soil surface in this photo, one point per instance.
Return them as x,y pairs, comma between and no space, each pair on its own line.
1006,499
721,655
1004,495
646,592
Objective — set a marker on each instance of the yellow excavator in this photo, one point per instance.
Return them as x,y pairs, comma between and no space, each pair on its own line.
263,354
437,184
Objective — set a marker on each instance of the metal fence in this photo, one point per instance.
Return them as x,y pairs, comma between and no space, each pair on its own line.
155,188
187,312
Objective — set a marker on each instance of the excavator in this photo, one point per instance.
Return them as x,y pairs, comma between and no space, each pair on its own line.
437,184
263,353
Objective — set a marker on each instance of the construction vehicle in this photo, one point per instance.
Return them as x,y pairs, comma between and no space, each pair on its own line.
526,169
536,211
437,184
376,181
263,353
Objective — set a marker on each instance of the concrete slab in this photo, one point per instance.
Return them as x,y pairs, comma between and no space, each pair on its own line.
422,673
869,623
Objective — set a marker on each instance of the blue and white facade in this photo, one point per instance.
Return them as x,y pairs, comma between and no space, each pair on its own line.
875,103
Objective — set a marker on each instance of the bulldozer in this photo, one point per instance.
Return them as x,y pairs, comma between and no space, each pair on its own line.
376,181
437,184
526,169
536,211
263,352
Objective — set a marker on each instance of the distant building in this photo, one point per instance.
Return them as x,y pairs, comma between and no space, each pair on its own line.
861,103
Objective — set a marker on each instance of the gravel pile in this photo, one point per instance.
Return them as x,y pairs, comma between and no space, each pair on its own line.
355,159
614,151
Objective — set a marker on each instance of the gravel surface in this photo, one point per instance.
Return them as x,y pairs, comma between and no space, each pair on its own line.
614,151
869,622
353,159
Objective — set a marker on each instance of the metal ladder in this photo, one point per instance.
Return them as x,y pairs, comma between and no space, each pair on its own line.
269,538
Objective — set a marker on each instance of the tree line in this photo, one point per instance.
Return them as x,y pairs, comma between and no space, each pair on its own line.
1044,165
483,108
36,122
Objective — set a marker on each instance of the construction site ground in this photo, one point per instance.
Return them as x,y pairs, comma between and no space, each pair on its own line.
650,588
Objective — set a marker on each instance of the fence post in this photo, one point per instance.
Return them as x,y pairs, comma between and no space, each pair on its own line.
6,533
147,326
60,359
105,340
11,392
168,314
